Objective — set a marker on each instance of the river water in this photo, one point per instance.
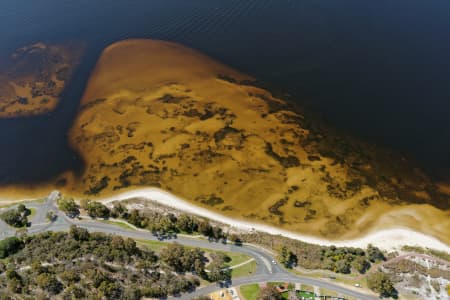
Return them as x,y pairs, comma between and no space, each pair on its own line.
378,69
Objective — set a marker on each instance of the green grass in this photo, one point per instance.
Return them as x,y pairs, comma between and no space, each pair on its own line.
250,291
155,246
244,270
306,295
116,223
237,258
32,212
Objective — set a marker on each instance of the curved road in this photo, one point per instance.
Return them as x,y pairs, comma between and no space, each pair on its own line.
266,270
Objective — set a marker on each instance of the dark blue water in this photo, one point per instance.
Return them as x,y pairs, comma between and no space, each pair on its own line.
379,69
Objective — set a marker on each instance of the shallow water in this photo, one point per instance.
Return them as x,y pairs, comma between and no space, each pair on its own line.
378,69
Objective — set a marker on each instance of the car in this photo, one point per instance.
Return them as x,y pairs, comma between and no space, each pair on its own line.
274,262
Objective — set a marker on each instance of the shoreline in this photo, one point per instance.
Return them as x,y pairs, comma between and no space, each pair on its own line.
387,239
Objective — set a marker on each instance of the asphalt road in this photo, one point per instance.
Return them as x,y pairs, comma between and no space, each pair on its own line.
266,270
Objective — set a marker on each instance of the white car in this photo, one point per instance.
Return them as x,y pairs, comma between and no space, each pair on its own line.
274,262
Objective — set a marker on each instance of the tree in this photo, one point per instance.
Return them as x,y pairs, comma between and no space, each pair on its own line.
68,206
217,232
119,211
21,208
342,266
293,260
199,268
381,283
78,233
37,268
130,246
235,239
15,218
217,272
205,228
218,269
284,256
15,285
12,274
269,293
51,216
173,255
74,292
136,219
361,264
117,242
132,293
9,246
70,276
374,254
97,210
49,283
109,290
186,223
287,258
182,259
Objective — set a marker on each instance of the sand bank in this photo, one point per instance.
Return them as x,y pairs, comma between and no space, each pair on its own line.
389,239
159,114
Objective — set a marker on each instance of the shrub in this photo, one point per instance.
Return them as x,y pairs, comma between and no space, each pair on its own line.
374,254
15,217
68,206
381,283
10,246
49,283
97,210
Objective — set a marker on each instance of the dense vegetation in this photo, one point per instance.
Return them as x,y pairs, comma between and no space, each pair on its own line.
69,206
16,217
337,259
159,224
96,209
83,265
292,253
439,254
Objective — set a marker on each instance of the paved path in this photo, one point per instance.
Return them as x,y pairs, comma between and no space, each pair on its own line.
5,230
265,271
41,210
241,264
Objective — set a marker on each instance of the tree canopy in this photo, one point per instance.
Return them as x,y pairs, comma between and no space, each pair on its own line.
382,284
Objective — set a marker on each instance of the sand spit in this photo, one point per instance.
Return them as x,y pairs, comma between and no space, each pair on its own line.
388,239
159,114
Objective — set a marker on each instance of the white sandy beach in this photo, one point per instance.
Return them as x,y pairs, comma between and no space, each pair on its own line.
388,239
